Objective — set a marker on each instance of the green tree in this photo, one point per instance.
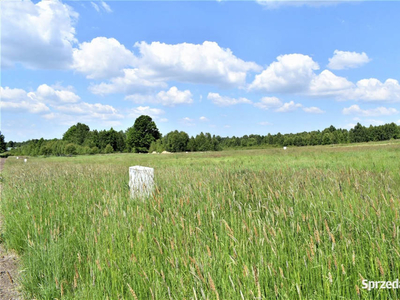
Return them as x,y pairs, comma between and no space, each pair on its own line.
176,141
143,132
3,145
76,134
358,134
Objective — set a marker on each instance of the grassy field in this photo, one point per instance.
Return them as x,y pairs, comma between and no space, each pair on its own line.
305,223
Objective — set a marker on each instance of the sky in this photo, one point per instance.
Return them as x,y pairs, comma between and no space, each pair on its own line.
226,67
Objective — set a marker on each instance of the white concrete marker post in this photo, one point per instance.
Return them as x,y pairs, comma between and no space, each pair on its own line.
141,181
284,148
25,160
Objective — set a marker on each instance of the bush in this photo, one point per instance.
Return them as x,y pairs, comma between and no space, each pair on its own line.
94,150
70,149
108,149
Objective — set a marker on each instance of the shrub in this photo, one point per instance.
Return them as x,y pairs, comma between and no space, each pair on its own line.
70,149
108,149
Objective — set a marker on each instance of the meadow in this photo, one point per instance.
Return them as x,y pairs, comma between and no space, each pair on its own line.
305,223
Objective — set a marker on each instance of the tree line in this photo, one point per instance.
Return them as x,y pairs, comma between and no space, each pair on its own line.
144,137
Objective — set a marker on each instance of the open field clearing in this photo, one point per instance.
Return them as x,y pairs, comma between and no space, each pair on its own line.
305,223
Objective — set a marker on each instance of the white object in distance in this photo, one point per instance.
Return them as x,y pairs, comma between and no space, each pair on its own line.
284,148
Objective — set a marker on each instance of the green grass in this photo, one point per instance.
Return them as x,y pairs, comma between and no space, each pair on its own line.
306,223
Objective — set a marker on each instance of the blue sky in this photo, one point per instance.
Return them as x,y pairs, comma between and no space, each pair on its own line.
228,68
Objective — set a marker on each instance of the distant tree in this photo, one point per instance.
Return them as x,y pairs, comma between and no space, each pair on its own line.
140,136
113,138
358,134
327,138
3,145
10,144
45,150
191,146
176,141
76,134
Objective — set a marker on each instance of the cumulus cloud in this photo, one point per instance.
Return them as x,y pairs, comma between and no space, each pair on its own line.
219,100
37,35
102,58
84,108
288,107
290,73
313,110
131,82
328,84
54,95
57,103
379,111
171,97
346,60
194,63
203,119
268,102
374,90
155,113
18,101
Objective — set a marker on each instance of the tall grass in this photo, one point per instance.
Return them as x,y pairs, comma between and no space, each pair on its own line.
307,223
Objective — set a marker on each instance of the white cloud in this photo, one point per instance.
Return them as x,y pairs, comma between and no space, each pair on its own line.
132,81
102,58
290,73
106,7
328,84
346,60
289,106
155,113
105,119
17,101
204,119
264,123
374,90
274,4
188,121
171,97
58,104
194,63
313,110
219,100
36,102
268,102
37,35
379,111
95,6
85,108
174,96
54,95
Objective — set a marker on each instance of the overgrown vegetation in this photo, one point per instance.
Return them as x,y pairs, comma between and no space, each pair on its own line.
306,223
